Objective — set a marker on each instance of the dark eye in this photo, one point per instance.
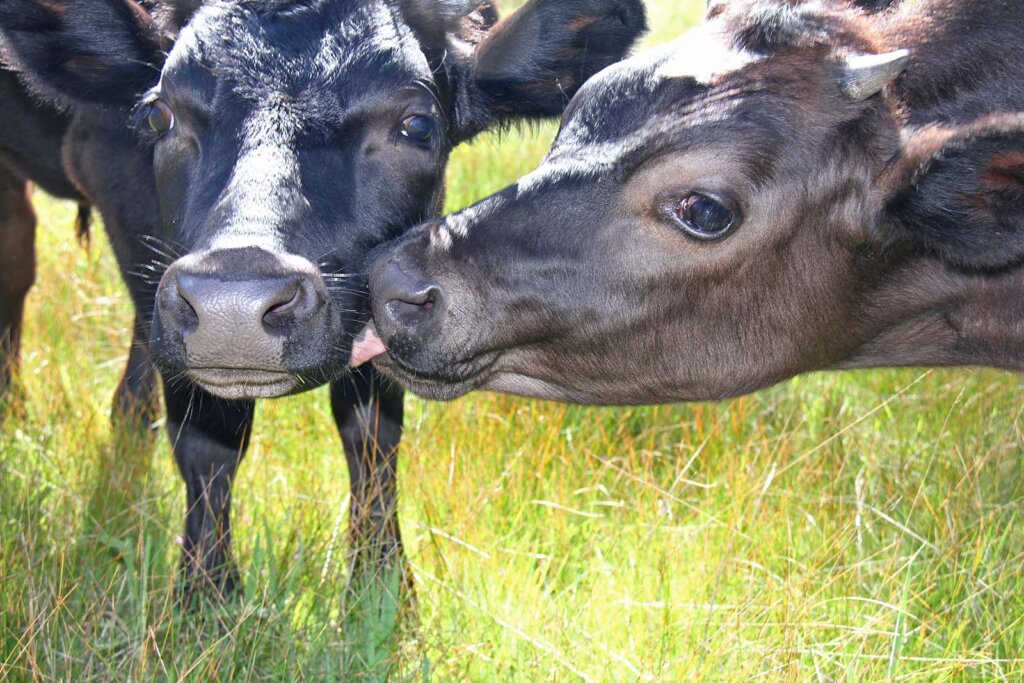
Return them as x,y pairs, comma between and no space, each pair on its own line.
420,129
159,116
705,217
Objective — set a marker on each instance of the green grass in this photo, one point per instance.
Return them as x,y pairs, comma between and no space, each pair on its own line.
851,527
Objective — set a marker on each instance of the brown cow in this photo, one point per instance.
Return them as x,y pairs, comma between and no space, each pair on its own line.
794,186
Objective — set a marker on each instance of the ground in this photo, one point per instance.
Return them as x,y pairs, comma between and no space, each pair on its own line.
841,527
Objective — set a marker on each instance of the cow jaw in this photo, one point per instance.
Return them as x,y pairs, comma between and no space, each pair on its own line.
237,384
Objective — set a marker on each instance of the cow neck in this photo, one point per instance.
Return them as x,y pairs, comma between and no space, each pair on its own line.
928,313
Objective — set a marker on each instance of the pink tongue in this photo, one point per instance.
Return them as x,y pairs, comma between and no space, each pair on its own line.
366,347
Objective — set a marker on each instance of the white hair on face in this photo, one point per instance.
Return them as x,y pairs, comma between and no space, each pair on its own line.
703,56
457,225
700,56
187,45
265,186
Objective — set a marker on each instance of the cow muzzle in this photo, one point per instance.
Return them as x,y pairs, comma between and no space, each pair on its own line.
418,335
235,320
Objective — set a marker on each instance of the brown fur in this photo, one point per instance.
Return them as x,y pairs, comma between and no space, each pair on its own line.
884,231
17,268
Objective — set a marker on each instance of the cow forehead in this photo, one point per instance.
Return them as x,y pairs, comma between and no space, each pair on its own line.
653,85
293,51
657,95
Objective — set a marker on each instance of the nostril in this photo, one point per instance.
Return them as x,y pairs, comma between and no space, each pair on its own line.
177,305
416,309
189,317
422,297
296,300
405,299
283,306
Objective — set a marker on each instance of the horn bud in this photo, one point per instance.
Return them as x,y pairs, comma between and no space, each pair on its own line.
866,75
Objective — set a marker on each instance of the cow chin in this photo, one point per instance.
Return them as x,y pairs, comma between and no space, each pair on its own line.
442,384
240,384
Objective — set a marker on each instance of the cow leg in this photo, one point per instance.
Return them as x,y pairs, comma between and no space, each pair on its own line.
87,154
17,269
209,437
135,400
368,413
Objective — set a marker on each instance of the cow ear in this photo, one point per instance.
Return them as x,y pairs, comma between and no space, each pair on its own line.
960,192
531,63
75,52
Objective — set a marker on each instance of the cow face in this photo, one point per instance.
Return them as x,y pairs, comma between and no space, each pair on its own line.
290,139
713,217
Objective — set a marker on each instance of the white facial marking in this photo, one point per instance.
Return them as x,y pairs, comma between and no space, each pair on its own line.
265,188
457,225
264,195
441,239
703,56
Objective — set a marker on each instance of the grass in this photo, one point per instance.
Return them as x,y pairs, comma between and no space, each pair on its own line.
841,527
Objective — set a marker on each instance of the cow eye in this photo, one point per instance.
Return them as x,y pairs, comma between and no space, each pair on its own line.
704,217
420,129
159,116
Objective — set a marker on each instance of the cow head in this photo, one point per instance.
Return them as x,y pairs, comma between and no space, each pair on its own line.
291,138
755,201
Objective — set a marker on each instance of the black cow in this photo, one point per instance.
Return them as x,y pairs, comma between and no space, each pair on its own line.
769,196
33,140
288,140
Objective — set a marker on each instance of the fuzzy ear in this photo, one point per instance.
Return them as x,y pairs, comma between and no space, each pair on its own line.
960,191
531,63
455,26
73,52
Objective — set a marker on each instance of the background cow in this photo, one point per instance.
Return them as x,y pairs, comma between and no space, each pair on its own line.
33,140
288,140
764,198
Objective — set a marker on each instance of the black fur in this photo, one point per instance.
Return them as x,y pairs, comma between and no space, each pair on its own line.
542,54
965,202
354,179
104,53
866,229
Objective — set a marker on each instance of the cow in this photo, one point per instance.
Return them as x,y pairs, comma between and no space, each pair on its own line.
792,187
36,141
287,140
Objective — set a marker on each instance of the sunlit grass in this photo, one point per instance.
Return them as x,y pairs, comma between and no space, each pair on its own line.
849,527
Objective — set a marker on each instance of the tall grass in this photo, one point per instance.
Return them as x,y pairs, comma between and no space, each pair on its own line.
841,527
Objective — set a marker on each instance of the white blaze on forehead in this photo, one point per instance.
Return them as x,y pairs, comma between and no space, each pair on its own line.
265,190
458,225
702,55
589,160
374,30
230,40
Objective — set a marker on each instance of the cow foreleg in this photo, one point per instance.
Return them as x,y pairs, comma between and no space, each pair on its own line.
209,437
135,401
17,269
368,413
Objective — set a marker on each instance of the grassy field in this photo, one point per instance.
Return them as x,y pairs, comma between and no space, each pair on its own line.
852,527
